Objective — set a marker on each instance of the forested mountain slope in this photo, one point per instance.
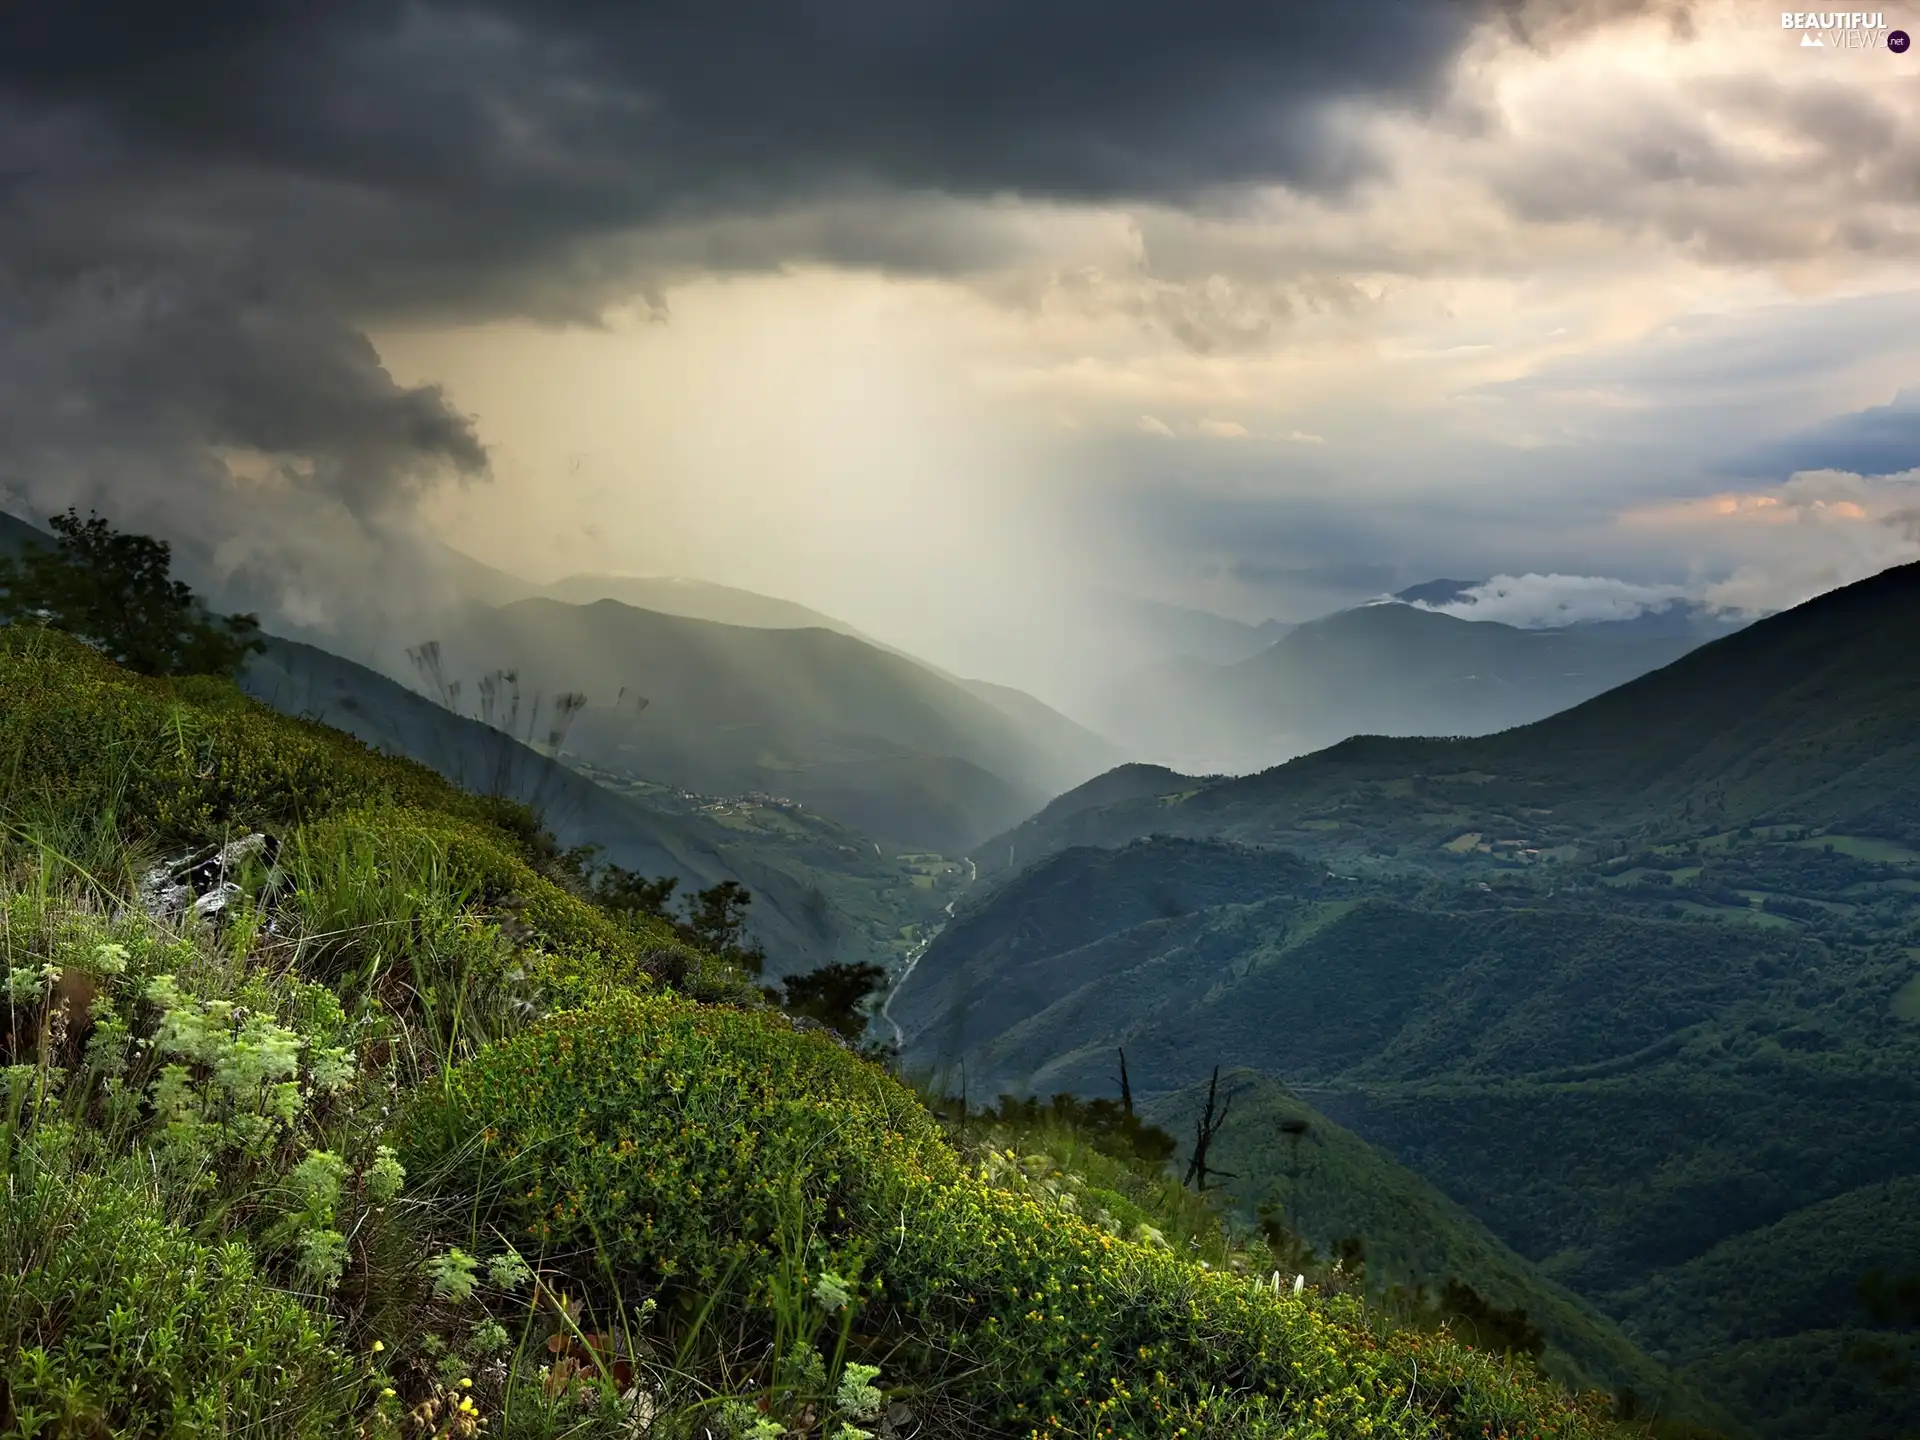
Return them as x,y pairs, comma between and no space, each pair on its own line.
1637,985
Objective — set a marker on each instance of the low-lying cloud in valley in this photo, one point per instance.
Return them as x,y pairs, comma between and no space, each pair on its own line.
1535,602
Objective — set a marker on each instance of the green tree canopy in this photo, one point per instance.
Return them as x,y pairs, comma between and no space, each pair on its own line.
116,591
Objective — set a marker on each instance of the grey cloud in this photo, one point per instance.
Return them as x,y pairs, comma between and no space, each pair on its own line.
123,390
1707,170
1880,440
1758,368
1296,533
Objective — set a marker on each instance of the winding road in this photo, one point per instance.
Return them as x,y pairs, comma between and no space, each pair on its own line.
913,959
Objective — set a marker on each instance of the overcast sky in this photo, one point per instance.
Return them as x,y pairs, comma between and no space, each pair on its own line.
930,314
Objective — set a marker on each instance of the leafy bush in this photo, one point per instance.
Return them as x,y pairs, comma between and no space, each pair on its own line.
664,1139
1107,1124
834,996
115,1321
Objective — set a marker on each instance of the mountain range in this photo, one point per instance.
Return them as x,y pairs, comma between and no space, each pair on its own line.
1637,986
1390,668
872,739
751,693
1802,718
710,689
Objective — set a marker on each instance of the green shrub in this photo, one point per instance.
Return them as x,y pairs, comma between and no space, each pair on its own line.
665,1137
114,1321
659,1137
1086,1333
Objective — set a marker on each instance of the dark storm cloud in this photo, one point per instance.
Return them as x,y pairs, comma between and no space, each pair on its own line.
200,204
260,435
1880,440
405,151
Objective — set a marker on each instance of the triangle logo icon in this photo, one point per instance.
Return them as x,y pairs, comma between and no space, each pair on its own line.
1810,41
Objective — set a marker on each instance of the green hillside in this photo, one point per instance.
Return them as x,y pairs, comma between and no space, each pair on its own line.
410,1138
873,740
1836,1245
301,680
1632,1085
1035,940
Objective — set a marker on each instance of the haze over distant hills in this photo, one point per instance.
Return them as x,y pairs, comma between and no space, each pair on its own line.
1739,731
777,699
1390,668
728,692
1142,631
870,738
662,594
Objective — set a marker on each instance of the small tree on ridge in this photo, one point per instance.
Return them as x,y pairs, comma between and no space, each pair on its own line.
116,592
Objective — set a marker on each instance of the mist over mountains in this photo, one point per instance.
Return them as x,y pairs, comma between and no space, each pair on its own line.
1421,662
726,691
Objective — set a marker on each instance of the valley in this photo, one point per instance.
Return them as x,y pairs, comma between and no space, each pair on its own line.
1630,985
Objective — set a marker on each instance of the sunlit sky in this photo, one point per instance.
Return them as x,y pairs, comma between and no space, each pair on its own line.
1620,293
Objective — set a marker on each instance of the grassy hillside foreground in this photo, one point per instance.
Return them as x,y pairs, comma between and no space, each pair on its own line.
412,1140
